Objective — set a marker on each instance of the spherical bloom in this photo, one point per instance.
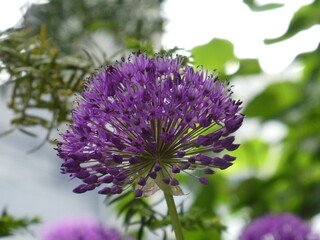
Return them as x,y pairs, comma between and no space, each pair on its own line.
79,229
144,121
278,227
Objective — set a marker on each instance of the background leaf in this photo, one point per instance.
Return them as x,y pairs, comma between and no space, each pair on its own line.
9,224
303,19
248,66
274,101
214,55
257,8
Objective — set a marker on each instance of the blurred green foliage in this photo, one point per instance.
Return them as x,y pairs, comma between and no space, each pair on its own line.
257,8
288,179
42,80
9,224
220,48
76,21
218,54
284,96
45,73
198,222
306,17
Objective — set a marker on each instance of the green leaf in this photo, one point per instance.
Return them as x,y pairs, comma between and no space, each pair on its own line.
304,18
31,134
274,101
248,66
250,156
170,51
207,234
214,55
135,45
257,8
9,224
208,197
42,77
7,132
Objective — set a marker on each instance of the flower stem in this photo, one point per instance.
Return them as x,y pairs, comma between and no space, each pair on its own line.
174,216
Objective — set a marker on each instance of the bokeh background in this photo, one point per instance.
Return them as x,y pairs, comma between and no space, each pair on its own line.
269,51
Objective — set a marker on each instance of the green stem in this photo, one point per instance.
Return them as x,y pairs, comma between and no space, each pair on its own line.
174,216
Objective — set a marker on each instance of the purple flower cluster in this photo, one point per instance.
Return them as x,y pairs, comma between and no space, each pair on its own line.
284,226
143,121
79,229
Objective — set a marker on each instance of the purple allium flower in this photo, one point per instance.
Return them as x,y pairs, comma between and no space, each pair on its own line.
283,226
143,121
79,229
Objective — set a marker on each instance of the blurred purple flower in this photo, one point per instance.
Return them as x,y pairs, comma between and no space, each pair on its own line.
79,229
142,121
283,226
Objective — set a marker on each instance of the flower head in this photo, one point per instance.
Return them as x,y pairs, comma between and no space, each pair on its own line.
284,226
79,229
143,121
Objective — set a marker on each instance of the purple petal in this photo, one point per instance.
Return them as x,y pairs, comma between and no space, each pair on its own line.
91,179
166,180
80,189
107,179
152,175
175,169
157,167
142,181
229,158
174,182
106,190
203,180
138,193
220,163
208,171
